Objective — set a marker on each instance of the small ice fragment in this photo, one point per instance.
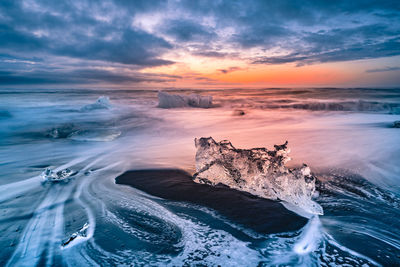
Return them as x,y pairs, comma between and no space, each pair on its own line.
54,133
50,175
82,233
61,131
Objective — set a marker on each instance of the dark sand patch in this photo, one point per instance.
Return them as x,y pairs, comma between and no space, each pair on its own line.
261,215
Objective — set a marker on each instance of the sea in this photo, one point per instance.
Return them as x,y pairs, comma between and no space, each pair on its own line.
62,149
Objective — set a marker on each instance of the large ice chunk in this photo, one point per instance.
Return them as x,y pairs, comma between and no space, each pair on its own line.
166,100
258,171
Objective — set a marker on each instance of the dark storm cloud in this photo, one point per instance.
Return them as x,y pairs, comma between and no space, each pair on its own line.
131,47
308,31
305,12
64,29
186,30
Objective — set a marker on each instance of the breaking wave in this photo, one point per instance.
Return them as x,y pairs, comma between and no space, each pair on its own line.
97,135
103,102
166,100
357,106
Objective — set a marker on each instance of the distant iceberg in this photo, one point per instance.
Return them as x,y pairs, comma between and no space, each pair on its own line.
258,171
103,102
166,100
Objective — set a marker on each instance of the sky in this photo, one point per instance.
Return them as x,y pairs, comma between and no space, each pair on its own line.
199,44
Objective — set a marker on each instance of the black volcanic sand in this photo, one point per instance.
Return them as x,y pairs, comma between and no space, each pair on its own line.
261,215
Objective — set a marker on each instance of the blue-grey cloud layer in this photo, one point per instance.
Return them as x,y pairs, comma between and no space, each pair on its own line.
43,41
307,32
61,28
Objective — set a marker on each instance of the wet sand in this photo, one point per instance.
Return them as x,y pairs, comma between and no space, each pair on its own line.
261,215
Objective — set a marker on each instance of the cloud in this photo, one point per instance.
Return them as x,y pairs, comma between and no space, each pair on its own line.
41,39
362,42
355,52
214,54
132,47
63,28
79,76
383,69
304,32
184,30
228,70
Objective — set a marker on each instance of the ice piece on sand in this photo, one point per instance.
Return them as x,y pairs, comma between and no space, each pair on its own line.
81,234
258,171
166,100
103,102
50,175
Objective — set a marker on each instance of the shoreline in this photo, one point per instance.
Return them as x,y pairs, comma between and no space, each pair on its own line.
261,215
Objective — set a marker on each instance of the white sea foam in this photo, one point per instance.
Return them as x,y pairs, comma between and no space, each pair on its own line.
103,102
95,135
310,238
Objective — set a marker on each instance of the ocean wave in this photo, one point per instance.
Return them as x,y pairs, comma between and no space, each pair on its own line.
61,131
311,246
166,100
77,132
356,207
340,184
103,102
358,106
95,135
